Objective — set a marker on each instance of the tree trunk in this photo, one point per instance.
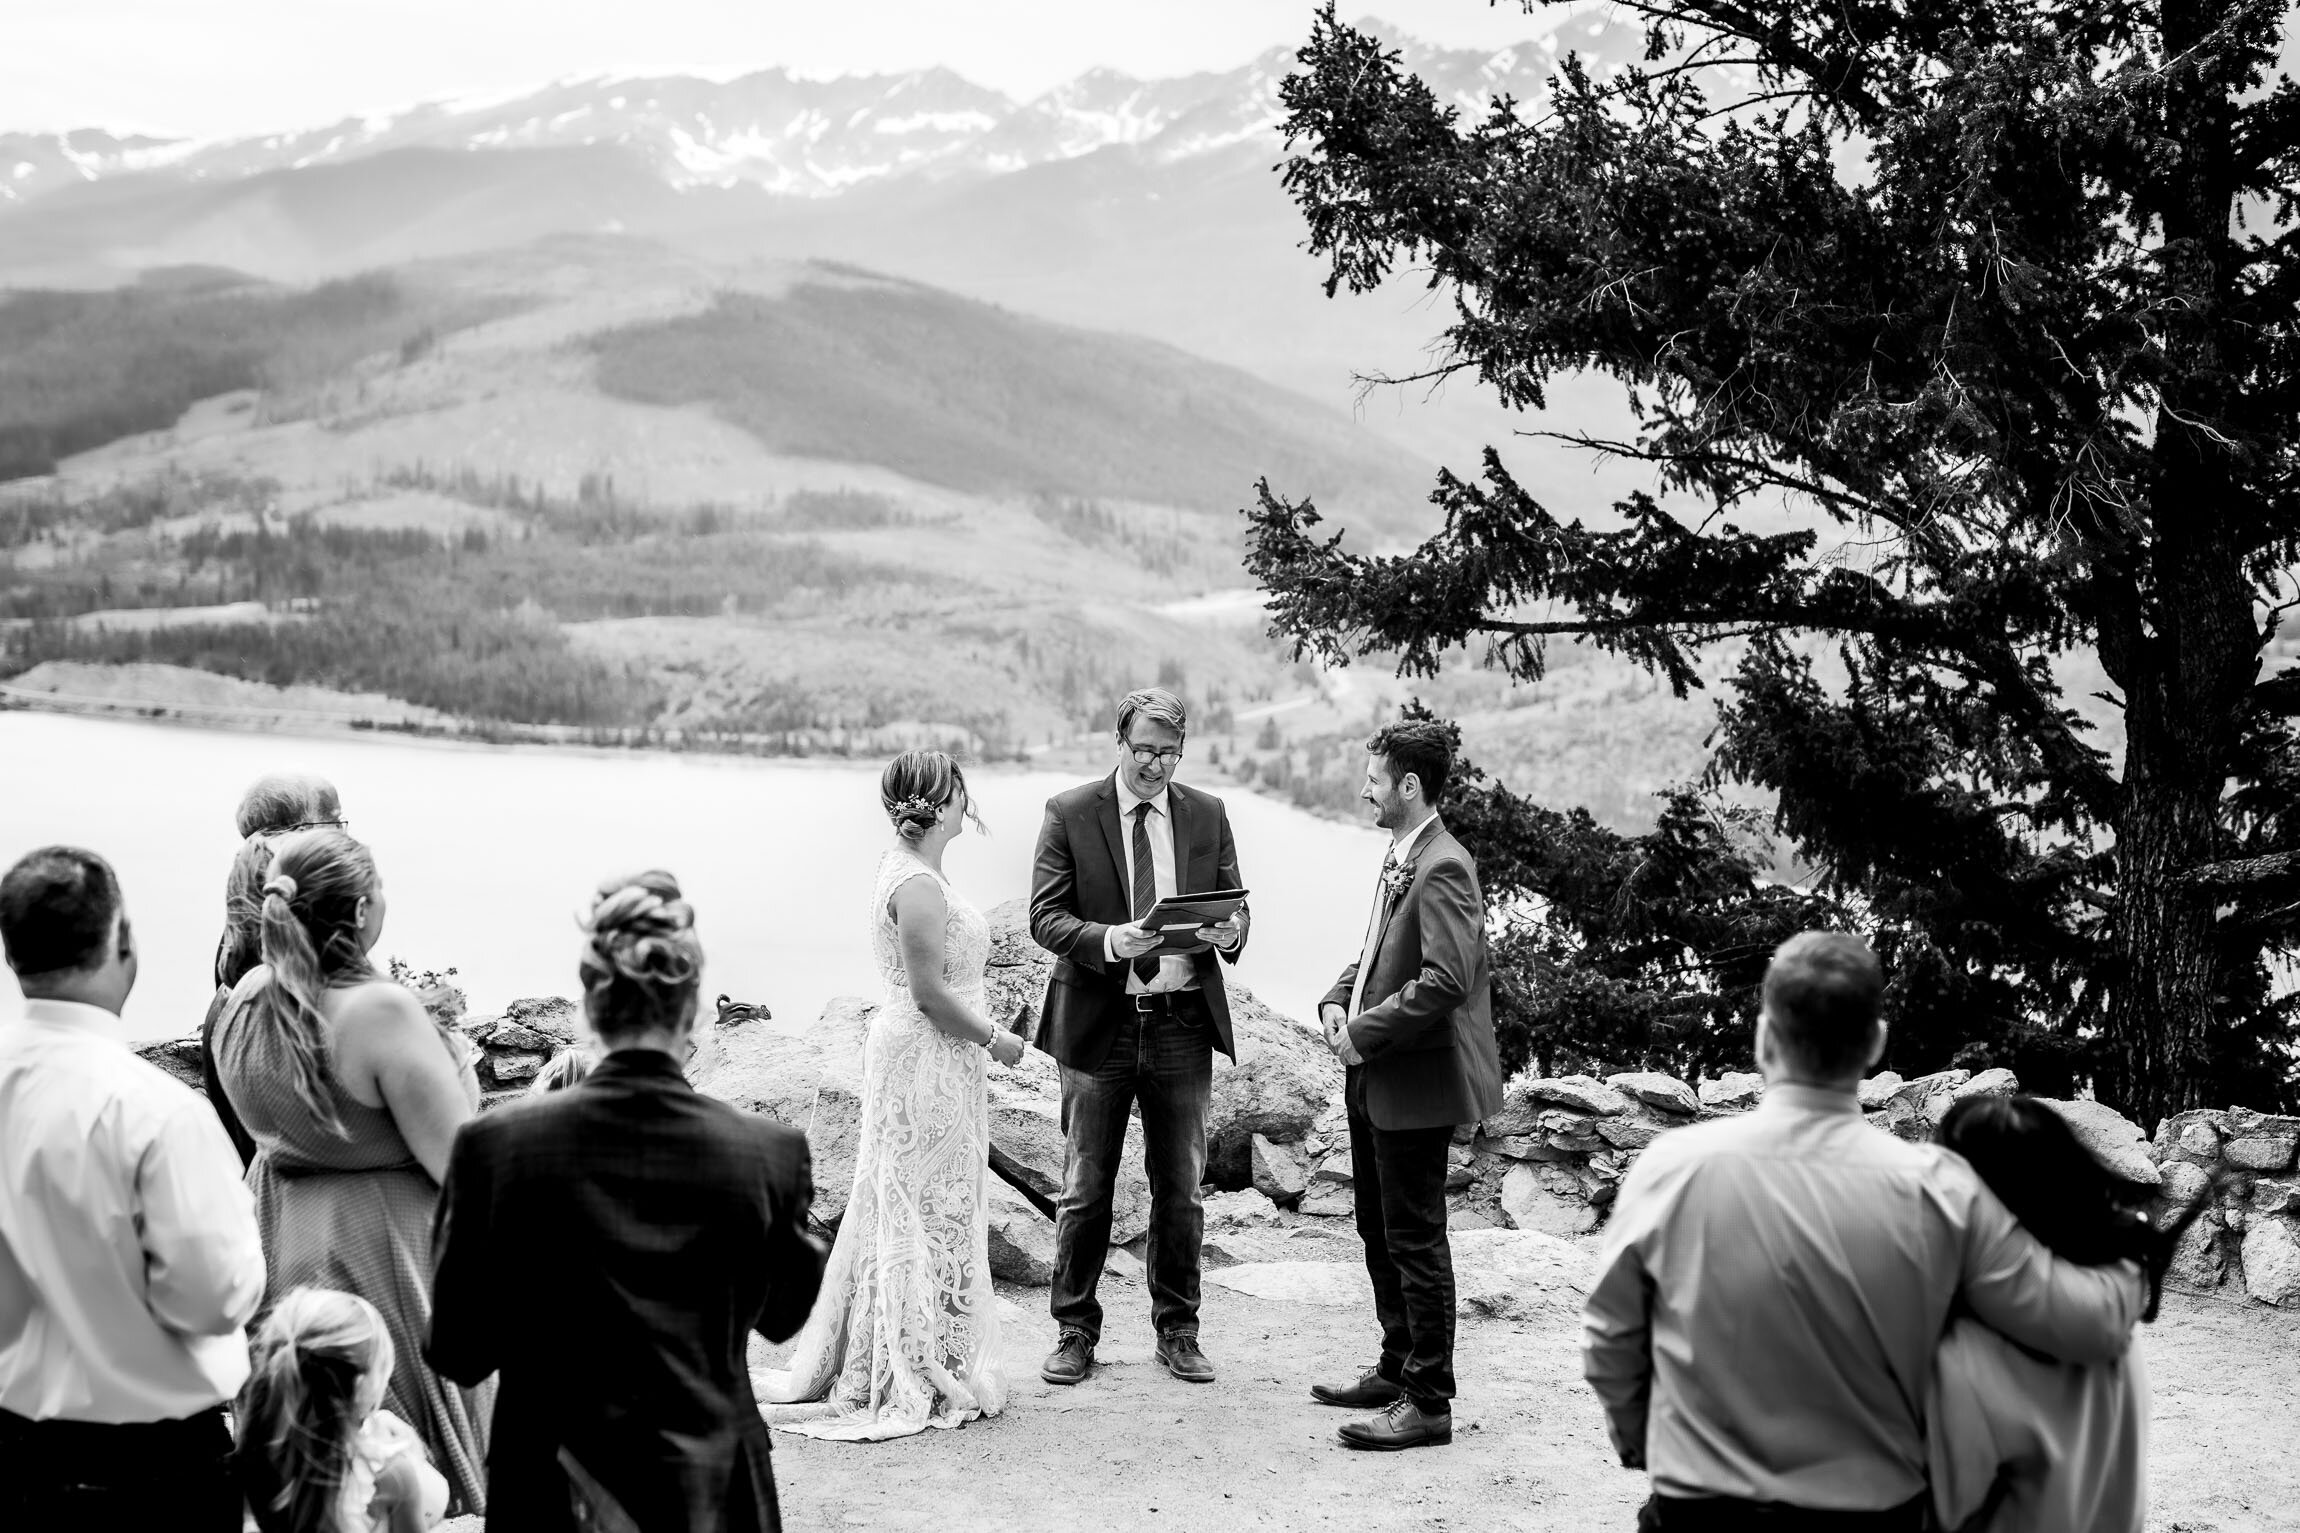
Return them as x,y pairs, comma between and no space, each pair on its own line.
2180,638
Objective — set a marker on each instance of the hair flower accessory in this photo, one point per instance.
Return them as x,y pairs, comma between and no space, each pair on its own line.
916,808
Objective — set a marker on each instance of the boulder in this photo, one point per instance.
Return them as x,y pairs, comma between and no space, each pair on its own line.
1460,1167
1026,1131
1283,1082
1570,1132
1629,1133
2262,1152
805,1074
517,1037
516,1069
1575,1093
177,1057
1664,1092
1734,1091
1526,1098
1878,1089
2193,1136
1021,1238
1528,1205
1520,1274
2114,1140
2272,1261
2184,1184
1281,1174
1329,1200
1924,1088
2198,1262
2270,1196
1989,1083
1516,1147
552,1014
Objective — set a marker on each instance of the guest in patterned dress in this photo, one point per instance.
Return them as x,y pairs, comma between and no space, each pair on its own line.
353,1096
904,1333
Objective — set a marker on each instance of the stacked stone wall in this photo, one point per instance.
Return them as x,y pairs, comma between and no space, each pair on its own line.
2241,1166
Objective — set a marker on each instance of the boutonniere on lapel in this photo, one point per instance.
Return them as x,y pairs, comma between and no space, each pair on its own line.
1397,877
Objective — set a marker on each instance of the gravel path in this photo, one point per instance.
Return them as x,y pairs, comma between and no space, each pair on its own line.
1136,1449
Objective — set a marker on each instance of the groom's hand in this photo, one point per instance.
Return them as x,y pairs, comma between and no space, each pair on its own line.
1132,940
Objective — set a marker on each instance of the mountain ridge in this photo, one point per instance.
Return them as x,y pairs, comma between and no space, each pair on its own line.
797,135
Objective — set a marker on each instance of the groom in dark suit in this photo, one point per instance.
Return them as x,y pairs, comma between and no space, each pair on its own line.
1412,1022
1129,1026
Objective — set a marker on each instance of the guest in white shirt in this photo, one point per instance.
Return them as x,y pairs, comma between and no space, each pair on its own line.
129,1259
1772,1286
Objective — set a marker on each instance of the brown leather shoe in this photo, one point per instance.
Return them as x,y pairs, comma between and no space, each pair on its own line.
1370,1393
1182,1358
1071,1361
1403,1425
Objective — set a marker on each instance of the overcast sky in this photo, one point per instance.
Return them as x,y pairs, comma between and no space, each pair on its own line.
208,67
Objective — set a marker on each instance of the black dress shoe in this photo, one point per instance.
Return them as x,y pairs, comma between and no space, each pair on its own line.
1182,1358
1403,1425
1070,1362
1370,1393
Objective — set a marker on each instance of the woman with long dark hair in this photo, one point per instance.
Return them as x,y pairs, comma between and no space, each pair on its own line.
2017,1441
353,1096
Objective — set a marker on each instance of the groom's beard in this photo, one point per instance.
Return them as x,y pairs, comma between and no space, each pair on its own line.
1390,811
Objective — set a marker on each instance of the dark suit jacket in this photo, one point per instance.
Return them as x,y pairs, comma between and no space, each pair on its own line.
1079,890
1426,1034
608,1249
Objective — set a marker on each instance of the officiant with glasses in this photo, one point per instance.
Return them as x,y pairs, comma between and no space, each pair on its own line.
1134,1018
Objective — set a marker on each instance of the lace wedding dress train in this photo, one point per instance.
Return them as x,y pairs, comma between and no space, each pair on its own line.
904,1333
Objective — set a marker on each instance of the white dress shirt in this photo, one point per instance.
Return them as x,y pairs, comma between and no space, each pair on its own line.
1400,849
129,1256
1771,1290
1176,971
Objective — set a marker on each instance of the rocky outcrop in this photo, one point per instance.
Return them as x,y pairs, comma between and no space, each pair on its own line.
2244,1168
510,1050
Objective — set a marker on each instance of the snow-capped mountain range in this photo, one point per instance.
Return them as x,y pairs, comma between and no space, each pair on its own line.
788,134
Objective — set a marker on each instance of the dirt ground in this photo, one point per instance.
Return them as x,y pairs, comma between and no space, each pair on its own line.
1136,1449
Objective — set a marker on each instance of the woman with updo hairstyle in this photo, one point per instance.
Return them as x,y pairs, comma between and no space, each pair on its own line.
905,1332
352,1095
647,1230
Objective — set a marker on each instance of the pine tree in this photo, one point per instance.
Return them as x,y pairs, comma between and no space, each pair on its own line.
2004,295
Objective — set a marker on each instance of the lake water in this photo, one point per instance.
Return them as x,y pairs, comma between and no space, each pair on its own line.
489,854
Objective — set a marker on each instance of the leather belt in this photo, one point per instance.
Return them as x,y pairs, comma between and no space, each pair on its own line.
1163,1002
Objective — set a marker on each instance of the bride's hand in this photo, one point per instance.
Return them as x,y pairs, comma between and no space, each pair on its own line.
1006,1048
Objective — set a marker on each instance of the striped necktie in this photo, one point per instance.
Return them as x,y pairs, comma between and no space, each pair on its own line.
1145,887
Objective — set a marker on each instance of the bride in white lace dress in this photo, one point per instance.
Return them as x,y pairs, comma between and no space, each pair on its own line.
904,1333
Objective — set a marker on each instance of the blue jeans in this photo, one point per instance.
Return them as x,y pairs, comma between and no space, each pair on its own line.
1164,1062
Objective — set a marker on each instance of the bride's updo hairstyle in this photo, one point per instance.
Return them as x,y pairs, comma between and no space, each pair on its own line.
914,788
308,937
642,964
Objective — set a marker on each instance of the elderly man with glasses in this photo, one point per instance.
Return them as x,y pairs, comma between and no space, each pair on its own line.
1131,1025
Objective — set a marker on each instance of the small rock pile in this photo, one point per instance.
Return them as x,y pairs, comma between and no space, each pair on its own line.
2241,1165
509,1051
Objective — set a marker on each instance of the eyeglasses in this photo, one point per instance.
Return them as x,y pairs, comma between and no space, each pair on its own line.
1144,755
